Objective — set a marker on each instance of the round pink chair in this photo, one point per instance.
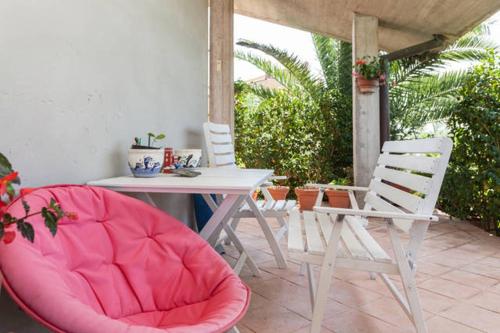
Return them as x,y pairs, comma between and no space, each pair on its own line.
122,267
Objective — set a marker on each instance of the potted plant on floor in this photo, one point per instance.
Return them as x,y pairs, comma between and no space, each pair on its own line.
306,196
278,192
368,73
338,198
146,161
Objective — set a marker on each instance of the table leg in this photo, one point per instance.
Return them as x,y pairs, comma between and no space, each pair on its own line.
149,199
268,232
221,215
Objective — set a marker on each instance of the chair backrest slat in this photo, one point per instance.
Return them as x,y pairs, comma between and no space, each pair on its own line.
219,145
408,177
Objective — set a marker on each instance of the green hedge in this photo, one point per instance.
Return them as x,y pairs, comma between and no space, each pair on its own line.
471,186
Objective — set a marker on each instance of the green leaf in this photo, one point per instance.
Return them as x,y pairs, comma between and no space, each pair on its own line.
26,207
50,220
57,208
160,137
26,230
151,134
5,166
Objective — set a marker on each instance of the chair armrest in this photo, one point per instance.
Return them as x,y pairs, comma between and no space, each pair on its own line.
278,178
376,213
340,187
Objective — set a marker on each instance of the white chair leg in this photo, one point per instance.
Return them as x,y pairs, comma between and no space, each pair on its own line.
234,225
325,277
233,330
408,281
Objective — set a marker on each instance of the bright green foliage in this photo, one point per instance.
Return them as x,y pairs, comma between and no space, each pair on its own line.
471,189
304,130
424,88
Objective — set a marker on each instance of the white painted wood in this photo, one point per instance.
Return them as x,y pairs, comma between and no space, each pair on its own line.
340,187
268,233
314,242
220,139
409,180
408,281
404,199
311,283
433,145
223,149
245,257
224,212
233,330
352,200
375,213
295,240
410,162
402,210
326,225
224,160
325,277
375,251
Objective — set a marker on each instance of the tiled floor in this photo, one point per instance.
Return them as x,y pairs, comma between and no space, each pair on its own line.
458,279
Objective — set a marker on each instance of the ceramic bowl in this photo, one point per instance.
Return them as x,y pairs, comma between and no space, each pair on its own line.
145,163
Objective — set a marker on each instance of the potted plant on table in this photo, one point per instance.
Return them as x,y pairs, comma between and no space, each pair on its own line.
369,74
338,198
146,161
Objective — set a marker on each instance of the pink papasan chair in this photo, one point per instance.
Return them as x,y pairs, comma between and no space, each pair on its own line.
122,267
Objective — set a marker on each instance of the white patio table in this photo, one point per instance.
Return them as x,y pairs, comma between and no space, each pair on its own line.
235,185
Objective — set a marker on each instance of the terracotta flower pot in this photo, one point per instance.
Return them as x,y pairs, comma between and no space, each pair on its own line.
338,199
278,192
367,86
255,195
306,197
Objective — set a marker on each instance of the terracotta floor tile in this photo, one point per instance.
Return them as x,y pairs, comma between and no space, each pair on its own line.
490,261
439,324
389,310
485,270
487,300
469,279
269,317
432,269
448,288
495,289
351,295
307,328
358,322
475,317
433,302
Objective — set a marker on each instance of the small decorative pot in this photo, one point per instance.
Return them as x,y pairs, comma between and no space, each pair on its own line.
306,197
187,158
338,199
255,195
145,163
367,86
278,192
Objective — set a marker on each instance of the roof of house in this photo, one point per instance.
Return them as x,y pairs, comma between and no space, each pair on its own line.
402,23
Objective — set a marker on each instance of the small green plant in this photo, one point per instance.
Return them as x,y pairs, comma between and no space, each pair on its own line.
341,181
368,68
152,139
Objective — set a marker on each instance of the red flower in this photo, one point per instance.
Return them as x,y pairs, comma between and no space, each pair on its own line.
9,237
26,190
6,180
360,62
72,216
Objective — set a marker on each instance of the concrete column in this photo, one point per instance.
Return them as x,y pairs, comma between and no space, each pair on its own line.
221,109
366,114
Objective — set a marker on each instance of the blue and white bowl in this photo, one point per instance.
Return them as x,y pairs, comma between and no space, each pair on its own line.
145,163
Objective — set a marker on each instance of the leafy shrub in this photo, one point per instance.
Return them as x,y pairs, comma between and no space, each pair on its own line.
471,186
294,135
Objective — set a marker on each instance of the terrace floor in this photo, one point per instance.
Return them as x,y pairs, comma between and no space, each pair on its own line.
458,279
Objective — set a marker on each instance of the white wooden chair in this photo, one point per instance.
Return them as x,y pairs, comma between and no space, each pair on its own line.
221,154
333,237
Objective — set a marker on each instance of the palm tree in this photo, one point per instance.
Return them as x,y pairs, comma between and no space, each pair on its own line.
422,88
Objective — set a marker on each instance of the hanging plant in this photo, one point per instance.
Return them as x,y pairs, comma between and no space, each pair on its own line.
368,73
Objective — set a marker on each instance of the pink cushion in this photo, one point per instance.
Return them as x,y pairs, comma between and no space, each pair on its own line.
123,266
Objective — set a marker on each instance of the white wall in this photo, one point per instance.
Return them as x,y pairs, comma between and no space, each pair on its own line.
80,78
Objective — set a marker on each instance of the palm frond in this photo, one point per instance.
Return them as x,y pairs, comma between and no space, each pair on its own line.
298,69
282,75
328,56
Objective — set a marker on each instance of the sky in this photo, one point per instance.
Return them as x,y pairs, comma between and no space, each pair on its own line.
296,41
